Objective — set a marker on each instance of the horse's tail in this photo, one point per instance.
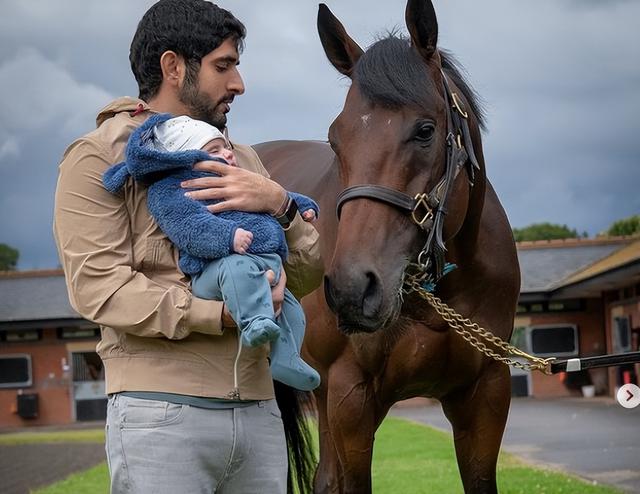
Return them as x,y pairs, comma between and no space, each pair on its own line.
293,405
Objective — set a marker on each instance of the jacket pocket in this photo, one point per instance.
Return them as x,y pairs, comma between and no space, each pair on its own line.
159,255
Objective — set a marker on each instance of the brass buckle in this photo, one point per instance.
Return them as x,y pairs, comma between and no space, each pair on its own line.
457,104
423,264
421,202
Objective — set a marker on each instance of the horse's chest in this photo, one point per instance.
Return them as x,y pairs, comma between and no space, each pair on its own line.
401,351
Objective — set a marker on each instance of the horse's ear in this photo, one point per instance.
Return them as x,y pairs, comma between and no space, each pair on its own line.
422,23
341,50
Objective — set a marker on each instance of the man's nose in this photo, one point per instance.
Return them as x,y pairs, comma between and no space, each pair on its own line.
235,84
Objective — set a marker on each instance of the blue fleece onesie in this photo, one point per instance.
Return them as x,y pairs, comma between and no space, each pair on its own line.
205,244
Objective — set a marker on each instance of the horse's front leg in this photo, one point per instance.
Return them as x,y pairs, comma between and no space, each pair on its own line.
328,475
478,415
353,417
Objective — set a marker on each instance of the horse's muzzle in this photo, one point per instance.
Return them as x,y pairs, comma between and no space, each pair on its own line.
357,300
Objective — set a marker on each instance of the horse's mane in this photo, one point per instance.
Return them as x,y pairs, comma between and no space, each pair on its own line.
392,73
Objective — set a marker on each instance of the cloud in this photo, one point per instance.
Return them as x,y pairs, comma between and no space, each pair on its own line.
9,147
44,108
558,77
38,94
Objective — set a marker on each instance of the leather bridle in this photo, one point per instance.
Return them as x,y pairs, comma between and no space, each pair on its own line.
427,210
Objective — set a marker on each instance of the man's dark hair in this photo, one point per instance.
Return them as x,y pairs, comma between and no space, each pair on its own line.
191,28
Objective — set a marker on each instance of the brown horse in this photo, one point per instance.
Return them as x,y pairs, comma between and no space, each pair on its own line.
372,343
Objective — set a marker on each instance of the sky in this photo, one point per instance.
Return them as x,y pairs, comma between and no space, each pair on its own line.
560,80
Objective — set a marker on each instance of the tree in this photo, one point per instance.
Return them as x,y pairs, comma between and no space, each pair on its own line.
8,258
625,226
544,231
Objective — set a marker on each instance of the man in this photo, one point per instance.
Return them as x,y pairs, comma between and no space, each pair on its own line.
189,409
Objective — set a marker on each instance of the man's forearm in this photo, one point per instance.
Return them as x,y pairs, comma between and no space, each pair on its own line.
305,265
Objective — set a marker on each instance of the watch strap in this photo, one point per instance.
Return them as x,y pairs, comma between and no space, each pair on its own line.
289,214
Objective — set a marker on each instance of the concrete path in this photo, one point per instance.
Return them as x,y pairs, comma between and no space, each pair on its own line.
594,438
24,467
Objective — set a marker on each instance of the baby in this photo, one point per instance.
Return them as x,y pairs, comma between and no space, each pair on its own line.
226,254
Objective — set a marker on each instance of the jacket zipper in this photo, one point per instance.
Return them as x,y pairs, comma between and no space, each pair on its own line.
235,393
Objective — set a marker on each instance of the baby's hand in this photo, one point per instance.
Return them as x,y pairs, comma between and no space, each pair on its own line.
309,215
242,240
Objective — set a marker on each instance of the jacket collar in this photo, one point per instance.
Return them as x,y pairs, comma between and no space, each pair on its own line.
124,104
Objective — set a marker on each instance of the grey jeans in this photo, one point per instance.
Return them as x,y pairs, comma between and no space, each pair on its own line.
159,447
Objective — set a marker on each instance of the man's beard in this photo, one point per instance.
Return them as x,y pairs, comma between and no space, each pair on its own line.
200,105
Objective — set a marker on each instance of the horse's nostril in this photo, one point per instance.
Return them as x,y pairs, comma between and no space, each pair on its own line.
328,293
372,297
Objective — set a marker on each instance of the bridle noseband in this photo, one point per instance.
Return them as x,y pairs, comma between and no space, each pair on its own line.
427,210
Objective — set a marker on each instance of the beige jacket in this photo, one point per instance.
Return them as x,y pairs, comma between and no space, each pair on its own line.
122,273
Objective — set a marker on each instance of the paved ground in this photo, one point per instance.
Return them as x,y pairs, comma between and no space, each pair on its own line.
28,466
594,438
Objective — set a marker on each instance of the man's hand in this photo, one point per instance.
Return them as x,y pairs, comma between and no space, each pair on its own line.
242,240
277,295
238,189
277,291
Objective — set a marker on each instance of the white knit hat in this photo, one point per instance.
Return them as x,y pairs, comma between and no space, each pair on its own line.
183,133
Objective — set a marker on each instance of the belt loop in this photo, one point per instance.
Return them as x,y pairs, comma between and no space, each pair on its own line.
113,399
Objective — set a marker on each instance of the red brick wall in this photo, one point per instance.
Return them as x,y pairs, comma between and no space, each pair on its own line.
54,388
621,303
592,341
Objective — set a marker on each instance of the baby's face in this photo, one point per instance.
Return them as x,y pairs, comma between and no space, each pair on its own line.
214,146
217,147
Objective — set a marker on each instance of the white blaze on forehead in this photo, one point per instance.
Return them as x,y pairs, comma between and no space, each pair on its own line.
365,119
389,122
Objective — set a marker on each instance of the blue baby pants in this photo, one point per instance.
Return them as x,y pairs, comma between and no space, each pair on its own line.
240,281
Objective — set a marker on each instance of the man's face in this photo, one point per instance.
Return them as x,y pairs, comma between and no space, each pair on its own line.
208,98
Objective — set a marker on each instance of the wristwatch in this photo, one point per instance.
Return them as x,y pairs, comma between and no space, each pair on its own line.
289,214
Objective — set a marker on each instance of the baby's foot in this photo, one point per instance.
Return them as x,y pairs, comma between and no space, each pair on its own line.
259,332
295,372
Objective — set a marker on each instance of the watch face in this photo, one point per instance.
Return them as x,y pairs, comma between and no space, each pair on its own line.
292,210
288,216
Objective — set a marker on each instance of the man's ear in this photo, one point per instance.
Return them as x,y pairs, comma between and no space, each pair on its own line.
173,68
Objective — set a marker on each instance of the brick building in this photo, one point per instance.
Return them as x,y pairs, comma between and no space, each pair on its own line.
49,371
578,297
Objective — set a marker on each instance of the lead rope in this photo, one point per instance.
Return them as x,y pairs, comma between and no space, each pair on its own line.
476,336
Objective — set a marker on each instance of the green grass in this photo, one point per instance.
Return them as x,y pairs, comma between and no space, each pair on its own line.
408,458
92,481
412,458
72,436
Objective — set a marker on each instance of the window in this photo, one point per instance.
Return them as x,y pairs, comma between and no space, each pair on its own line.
551,306
554,340
15,371
621,334
536,307
566,305
13,335
77,333
519,338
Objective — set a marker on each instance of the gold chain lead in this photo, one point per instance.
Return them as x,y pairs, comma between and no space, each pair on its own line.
473,334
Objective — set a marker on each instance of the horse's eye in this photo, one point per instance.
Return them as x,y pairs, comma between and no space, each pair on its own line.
424,133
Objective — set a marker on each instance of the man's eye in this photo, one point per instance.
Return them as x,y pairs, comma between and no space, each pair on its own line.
222,67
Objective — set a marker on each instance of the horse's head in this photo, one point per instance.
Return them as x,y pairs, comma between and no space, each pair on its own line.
394,133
